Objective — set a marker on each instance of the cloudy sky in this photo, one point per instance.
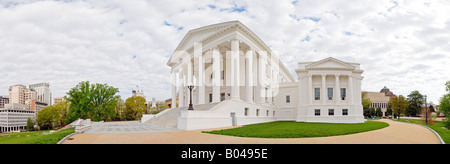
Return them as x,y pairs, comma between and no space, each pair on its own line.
404,45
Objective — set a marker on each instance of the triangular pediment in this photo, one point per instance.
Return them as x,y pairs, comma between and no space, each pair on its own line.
330,63
202,33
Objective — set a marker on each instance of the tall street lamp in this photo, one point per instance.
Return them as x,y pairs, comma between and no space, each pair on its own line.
190,87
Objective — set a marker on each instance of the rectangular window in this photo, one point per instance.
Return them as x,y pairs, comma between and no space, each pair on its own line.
316,112
331,112
330,93
345,112
267,112
343,93
257,112
210,97
288,99
316,93
246,112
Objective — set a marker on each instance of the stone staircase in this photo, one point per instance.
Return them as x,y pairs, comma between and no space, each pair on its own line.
169,117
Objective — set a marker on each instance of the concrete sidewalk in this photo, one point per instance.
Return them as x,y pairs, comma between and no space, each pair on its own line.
396,133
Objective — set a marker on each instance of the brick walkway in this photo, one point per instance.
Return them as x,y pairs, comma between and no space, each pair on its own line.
396,133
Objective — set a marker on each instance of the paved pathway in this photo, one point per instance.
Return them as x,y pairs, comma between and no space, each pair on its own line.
396,133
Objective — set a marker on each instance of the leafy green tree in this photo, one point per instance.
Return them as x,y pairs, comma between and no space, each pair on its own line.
62,108
366,104
445,105
134,108
415,101
378,112
94,101
120,107
398,104
48,118
30,124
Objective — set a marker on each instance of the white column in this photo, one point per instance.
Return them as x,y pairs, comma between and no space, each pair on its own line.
323,95
181,88
310,90
235,94
262,77
350,90
216,75
174,89
337,91
249,75
201,76
189,78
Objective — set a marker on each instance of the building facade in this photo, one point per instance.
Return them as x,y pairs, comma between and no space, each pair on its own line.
43,93
3,100
14,117
380,99
238,80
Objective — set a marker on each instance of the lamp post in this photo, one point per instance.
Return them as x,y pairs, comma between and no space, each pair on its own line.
426,110
190,87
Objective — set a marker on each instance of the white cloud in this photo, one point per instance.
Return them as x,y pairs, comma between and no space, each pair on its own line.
403,45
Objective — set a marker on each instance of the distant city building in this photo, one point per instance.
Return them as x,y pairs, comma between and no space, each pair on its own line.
387,92
3,100
43,92
56,100
14,117
168,102
17,94
380,99
138,93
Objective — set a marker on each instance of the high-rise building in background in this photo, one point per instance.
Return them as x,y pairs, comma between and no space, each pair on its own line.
17,94
43,92
3,100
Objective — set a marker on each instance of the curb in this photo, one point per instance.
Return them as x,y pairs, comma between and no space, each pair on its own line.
66,137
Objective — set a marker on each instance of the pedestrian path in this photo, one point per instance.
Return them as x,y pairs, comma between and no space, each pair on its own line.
395,133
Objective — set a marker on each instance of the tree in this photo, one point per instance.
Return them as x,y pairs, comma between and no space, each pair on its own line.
378,112
366,104
92,101
48,118
445,105
134,107
120,107
389,109
415,101
398,104
30,124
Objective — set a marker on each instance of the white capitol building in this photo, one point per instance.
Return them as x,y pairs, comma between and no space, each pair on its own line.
238,80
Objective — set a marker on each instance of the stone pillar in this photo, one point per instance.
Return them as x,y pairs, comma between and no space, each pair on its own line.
310,90
181,88
337,91
235,93
323,95
201,76
174,89
249,75
350,90
216,75
261,89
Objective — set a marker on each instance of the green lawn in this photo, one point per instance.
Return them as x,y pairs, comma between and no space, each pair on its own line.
34,137
437,127
290,129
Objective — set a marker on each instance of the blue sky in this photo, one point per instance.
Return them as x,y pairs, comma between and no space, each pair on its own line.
403,45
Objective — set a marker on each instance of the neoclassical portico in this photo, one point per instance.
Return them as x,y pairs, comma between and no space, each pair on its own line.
230,64
238,80
330,91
